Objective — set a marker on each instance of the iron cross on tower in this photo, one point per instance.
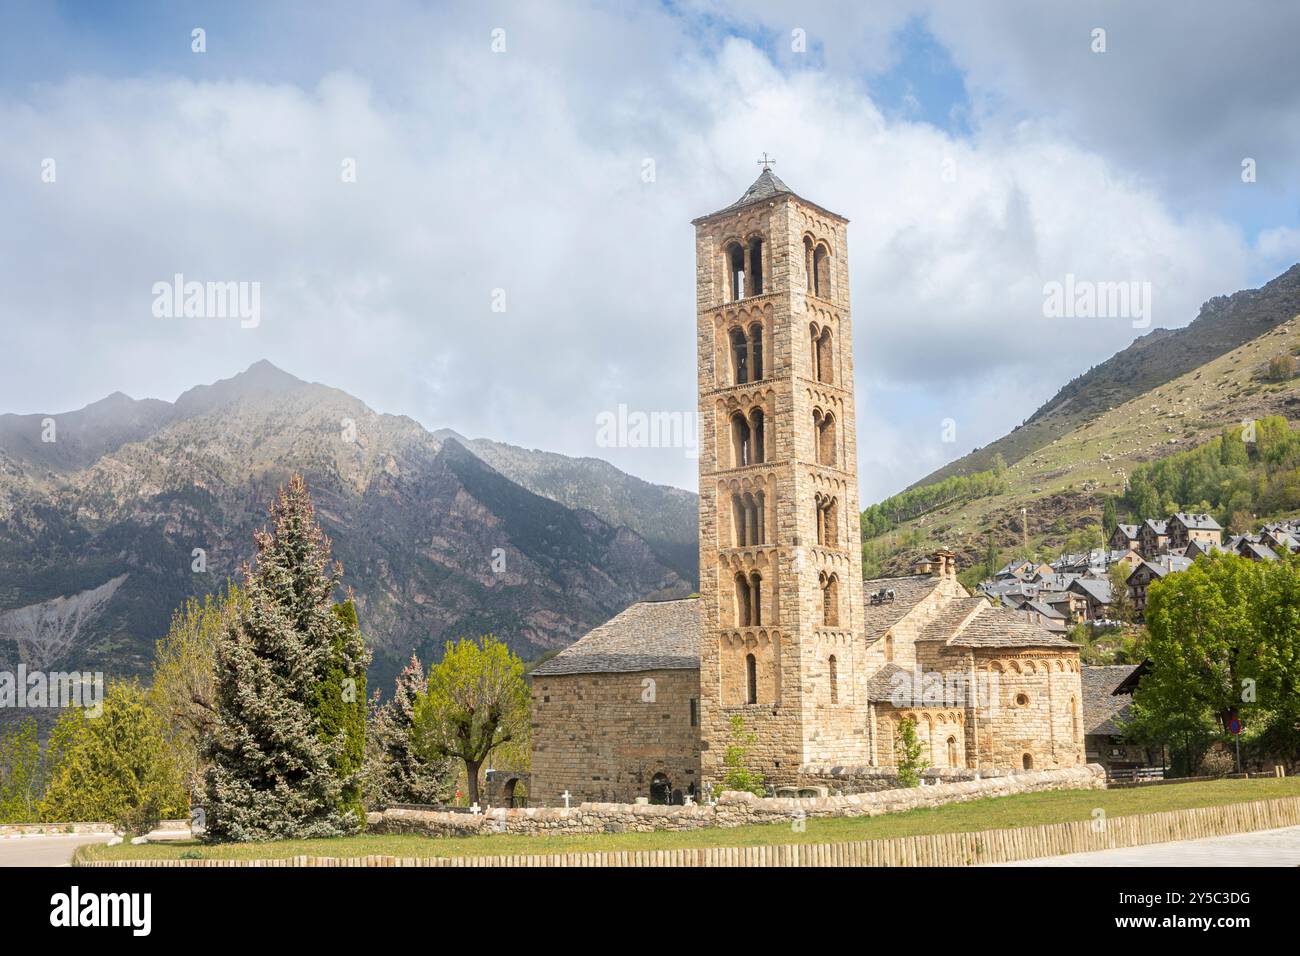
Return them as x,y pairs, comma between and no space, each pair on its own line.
766,163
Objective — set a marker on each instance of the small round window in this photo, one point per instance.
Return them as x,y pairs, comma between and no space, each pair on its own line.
1022,700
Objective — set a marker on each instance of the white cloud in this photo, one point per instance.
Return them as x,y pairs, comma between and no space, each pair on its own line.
523,172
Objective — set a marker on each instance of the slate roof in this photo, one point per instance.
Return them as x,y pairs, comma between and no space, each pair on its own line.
1198,522
651,635
881,685
1157,526
999,627
1044,609
1096,588
1102,710
766,186
908,591
950,616
1261,552
1131,530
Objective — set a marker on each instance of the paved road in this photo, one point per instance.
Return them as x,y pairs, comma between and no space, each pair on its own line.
1261,848
57,850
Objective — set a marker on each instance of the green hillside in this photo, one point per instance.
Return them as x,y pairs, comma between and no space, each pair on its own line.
1062,486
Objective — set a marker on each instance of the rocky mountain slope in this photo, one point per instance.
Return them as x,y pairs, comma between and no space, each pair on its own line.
1160,356
1062,485
137,504
668,518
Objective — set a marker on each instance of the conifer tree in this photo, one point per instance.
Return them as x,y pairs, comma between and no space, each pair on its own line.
402,773
274,773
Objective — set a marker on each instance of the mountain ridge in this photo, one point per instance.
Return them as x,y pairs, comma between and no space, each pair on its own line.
416,520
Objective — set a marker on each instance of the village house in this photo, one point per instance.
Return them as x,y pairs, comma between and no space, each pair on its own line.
1125,538
1107,701
1149,571
1184,528
1096,596
1153,538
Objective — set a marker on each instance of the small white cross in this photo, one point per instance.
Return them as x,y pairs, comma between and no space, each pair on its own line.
475,809
566,799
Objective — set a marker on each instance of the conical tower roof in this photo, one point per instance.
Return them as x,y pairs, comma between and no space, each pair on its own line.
766,187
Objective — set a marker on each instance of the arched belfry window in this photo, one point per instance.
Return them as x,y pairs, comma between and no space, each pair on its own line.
755,274
756,596
744,602
756,431
748,519
746,346
823,360
824,437
833,668
751,679
735,256
830,589
827,520
756,351
739,356
742,437
808,260
821,271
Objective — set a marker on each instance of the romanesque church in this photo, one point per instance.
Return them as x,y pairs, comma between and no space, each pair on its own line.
821,665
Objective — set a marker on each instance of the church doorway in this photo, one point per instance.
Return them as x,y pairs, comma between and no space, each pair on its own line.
661,790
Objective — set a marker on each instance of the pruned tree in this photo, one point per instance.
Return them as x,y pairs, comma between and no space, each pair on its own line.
476,700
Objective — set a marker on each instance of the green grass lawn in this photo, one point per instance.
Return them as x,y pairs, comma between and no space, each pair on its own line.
995,813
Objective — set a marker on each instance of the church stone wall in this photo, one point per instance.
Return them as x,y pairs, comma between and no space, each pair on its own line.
1037,714
604,737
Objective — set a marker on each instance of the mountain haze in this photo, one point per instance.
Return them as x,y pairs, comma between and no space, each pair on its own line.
99,528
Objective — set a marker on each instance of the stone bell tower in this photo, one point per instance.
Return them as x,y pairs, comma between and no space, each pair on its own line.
781,631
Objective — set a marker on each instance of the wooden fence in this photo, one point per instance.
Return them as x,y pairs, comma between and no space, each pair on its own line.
938,849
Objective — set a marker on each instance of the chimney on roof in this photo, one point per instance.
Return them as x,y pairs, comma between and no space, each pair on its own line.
945,564
924,566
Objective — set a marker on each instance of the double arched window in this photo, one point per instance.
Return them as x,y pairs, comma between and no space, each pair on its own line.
746,354
748,518
817,266
749,599
827,519
747,439
744,269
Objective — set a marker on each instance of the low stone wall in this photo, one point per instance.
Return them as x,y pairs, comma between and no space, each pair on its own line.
731,810
850,780
12,830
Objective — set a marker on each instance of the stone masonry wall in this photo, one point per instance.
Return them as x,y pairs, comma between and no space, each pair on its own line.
731,810
605,736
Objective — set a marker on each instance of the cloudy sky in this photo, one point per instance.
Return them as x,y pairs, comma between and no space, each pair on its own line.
979,150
